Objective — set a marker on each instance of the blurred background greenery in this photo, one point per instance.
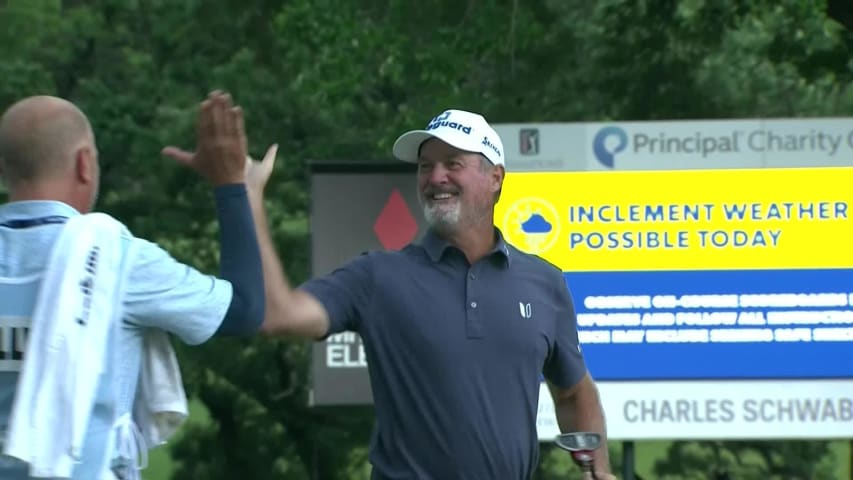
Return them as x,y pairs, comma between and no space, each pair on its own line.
338,80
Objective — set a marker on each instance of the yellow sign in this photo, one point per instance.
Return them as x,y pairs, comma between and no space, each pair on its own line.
682,220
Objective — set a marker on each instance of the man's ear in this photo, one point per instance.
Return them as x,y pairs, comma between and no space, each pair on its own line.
84,165
498,173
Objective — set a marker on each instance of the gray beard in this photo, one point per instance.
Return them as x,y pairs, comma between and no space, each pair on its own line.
441,218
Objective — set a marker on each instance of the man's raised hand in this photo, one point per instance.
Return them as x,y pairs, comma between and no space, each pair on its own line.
221,150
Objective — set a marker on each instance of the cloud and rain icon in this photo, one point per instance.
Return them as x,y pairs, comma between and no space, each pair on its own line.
536,230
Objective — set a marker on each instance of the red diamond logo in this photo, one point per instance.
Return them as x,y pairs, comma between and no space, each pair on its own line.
395,227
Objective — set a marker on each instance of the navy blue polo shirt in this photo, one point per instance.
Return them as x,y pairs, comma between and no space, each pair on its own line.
454,353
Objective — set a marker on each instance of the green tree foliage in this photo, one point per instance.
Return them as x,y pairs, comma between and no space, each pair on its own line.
339,79
749,460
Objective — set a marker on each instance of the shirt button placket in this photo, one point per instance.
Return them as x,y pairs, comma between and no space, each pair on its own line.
472,320
471,278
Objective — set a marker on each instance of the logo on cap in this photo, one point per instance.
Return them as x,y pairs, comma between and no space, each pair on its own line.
491,145
443,120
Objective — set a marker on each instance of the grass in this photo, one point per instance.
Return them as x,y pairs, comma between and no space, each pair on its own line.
645,456
160,463
844,458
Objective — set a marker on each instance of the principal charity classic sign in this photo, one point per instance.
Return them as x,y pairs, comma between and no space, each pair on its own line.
734,277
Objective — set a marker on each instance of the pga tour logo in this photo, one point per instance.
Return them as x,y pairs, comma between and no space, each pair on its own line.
528,141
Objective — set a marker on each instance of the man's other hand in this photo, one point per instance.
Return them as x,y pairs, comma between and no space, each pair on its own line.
258,173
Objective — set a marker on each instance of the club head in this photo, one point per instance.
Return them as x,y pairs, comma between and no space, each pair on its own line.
581,446
579,441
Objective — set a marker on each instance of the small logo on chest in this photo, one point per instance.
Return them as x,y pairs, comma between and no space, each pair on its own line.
525,309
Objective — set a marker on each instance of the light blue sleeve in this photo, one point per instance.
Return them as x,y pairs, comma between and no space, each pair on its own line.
163,293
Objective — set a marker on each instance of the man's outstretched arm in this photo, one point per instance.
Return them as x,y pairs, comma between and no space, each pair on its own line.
288,311
220,158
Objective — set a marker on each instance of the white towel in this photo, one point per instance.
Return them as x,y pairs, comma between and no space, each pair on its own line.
160,406
71,324
65,358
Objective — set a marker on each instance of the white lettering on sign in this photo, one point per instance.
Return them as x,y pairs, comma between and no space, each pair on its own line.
345,350
343,337
345,356
771,318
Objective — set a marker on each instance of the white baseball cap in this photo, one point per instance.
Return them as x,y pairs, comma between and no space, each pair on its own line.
463,130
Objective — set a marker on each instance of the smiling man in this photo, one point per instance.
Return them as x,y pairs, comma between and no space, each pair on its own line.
454,365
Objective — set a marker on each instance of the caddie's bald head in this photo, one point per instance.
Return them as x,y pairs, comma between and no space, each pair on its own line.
39,137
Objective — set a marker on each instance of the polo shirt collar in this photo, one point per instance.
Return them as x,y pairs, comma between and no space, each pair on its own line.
436,246
36,208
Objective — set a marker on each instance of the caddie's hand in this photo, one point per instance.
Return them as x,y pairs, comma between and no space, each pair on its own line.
220,154
258,173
